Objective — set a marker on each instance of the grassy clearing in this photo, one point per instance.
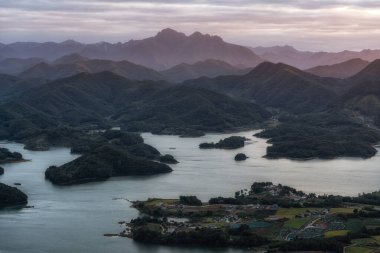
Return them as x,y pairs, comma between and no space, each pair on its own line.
153,202
342,210
354,249
363,241
334,233
291,213
154,227
296,223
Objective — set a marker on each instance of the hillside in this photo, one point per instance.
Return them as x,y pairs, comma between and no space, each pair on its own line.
105,155
14,66
341,70
11,196
177,110
207,68
324,135
276,85
370,73
364,94
364,97
12,85
103,99
74,64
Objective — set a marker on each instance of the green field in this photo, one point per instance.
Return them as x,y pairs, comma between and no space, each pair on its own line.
291,213
153,202
335,233
342,210
363,241
354,249
296,223
154,227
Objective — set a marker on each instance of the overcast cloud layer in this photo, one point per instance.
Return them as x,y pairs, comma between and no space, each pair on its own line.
306,24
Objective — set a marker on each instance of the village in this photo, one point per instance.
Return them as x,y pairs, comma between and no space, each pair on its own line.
280,224
271,221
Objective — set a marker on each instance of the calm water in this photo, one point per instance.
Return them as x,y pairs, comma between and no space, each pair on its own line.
74,218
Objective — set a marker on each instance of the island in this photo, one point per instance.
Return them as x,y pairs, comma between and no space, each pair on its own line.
320,135
240,157
7,156
232,142
11,196
168,159
1,170
269,217
107,154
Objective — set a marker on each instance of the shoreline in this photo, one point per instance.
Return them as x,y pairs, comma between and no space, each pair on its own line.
174,223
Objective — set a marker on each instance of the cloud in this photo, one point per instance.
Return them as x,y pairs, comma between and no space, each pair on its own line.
312,24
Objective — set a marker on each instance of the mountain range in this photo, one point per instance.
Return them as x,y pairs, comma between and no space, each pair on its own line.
306,60
165,50
188,85
98,100
276,85
70,65
207,68
176,56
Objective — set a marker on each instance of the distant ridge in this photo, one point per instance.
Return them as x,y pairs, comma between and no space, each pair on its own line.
167,49
71,58
340,70
207,68
14,66
74,64
306,59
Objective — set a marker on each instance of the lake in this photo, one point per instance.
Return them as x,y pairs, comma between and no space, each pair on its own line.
74,218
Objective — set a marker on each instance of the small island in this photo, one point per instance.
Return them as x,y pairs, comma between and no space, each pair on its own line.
324,136
1,171
232,142
240,157
269,217
7,156
11,196
108,154
169,159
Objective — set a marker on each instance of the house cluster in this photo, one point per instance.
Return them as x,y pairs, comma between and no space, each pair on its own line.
321,221
313,213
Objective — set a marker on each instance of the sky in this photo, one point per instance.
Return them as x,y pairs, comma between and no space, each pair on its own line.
328,25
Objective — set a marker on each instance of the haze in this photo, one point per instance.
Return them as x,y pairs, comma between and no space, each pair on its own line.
308,25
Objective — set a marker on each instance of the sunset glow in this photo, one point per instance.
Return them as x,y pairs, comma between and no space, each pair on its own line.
309,25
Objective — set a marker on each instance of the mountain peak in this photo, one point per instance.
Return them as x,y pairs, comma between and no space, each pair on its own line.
369,73
69,42
373,67
198,35
169,32
270,68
